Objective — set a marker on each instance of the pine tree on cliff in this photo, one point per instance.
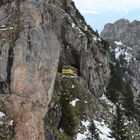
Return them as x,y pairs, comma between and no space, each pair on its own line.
68,121
94,132
119,131
138,103
137,106
115,85
128,101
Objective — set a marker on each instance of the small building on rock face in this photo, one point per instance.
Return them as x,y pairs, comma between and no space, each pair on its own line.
69,71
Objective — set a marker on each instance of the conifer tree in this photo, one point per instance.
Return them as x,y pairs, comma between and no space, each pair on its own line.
115,85
68,120
138,103
119,131
128,101
94,132
137,110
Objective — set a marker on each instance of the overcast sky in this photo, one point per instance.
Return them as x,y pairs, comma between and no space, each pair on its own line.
100,12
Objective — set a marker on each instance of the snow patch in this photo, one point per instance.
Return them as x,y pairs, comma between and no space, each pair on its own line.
72,86
4,29
79,30
73,25
123,50
95,38
81,136
85,101
99,39
73,103
61,130
85,123
104,131
118,43
1,114
11,122
86,28
86,133
118,52
128,56
112,107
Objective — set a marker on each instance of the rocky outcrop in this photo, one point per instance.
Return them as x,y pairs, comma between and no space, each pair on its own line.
74,109
28,65
124,40
84,49
38,38
33,35
6,127
66,122
128,33
124,30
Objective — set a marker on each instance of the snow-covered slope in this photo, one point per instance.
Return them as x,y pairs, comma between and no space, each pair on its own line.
103,131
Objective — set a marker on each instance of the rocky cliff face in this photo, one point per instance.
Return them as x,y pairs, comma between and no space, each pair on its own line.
84,114
124,30
36,38
126,36
124,40
72,110
28,65
75,113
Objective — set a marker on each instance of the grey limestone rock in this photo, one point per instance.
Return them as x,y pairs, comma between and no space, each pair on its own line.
36,39
129,34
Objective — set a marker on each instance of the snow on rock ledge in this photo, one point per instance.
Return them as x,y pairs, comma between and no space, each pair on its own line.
73,103
1,114
86,134
104,131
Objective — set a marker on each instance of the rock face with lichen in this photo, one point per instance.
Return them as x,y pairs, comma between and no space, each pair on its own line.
36,38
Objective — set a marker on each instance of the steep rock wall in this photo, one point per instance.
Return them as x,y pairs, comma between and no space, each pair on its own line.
36,37
28,65
128,33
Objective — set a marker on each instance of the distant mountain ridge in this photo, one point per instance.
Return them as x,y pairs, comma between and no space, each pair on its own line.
128,33
124,30
123,37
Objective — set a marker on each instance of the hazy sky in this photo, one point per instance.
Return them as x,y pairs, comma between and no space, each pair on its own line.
100,12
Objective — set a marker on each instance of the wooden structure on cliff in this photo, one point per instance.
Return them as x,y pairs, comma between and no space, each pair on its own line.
69,71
